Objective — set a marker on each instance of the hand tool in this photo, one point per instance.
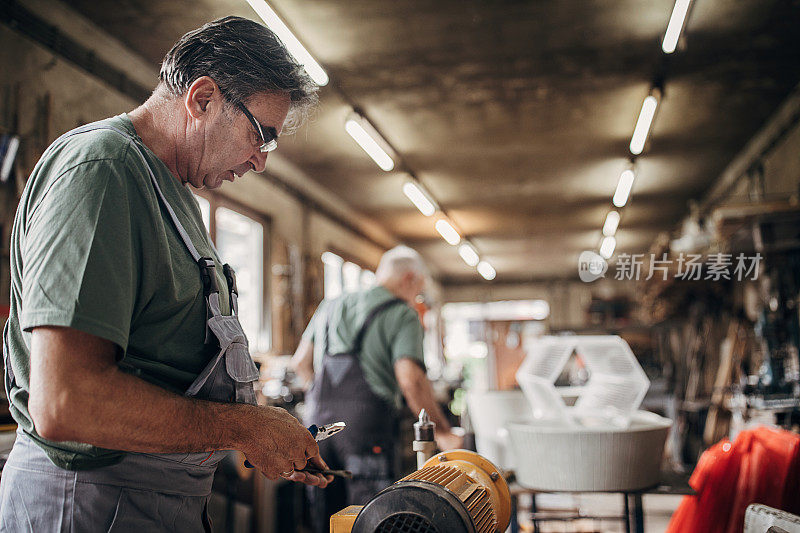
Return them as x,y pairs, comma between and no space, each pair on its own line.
323,432
336,473
319,433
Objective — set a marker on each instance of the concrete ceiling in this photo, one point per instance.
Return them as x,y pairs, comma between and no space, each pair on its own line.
516,115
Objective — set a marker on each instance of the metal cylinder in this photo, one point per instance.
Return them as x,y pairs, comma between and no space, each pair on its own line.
424,443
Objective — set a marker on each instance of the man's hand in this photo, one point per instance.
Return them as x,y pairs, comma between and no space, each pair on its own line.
278,444
303,362
447,440
418,393
317,480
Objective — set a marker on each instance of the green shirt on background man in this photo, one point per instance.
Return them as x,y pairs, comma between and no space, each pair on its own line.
396,333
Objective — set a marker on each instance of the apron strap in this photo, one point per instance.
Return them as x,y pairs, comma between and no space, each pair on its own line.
373,314
378,309
233,291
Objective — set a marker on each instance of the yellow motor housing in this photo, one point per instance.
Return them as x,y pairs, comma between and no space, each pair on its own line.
453,492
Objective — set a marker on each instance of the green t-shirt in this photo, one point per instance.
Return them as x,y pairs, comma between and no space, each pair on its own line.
396,333
92,249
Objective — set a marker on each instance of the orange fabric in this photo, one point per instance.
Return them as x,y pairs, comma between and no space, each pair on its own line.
762,466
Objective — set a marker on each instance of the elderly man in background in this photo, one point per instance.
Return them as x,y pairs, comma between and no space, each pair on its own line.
126,367
363,354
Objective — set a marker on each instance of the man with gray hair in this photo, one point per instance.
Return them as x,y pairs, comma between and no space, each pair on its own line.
363,354
126,367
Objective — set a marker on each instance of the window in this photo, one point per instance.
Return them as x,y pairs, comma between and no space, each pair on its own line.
465,324
205,211
332,275
367,279
351,276
240,243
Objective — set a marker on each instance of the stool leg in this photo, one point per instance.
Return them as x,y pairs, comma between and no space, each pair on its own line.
627,512
514,512
634,511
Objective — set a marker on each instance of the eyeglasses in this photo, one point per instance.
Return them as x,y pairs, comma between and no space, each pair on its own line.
269,141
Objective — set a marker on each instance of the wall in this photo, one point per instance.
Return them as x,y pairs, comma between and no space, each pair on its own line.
45,96
317,231
782,166
776,150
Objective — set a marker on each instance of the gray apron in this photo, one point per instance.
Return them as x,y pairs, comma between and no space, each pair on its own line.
143,492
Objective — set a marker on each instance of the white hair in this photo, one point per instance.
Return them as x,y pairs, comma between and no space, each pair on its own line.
398,261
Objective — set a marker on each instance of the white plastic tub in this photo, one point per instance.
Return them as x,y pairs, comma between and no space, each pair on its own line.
489,412
553,456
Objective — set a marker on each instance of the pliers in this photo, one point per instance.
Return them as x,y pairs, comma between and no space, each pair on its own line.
323,432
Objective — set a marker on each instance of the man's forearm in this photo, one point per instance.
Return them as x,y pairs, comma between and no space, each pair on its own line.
78,393
306,374
115,410
419,395
303,362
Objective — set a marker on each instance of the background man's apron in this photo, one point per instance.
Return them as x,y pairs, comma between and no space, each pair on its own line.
366,447
143,492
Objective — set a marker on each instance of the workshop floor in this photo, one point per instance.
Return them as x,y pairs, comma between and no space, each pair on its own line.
658,510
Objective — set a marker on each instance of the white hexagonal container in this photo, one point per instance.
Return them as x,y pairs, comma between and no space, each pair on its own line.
615,389
604,442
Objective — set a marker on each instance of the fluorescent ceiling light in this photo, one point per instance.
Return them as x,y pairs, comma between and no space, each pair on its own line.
468,254
623,188
419,198
447,232
298,51
607,247
675,25
612,222
643,124
369,144
487,271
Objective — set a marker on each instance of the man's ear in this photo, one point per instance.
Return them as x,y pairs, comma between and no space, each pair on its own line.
201,93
